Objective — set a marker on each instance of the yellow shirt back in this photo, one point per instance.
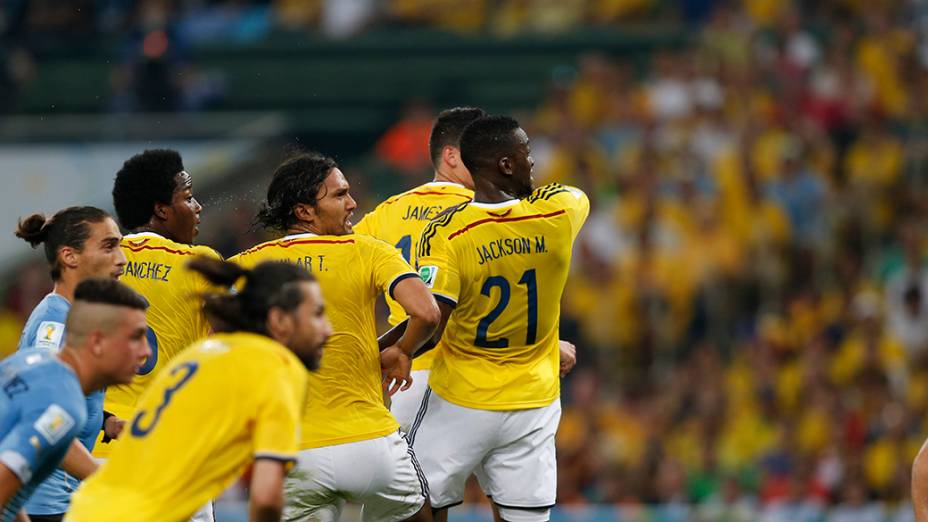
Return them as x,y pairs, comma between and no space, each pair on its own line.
400,221
345,398
504,267
156,268
218,405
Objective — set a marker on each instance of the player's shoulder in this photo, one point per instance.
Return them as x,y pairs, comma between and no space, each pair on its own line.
203,250
555,194
442,226
46,377
257,354
255,250
52,307
365,241
449,217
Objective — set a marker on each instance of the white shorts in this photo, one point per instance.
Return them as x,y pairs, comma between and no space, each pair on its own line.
511,452
405,404
381,474
204,514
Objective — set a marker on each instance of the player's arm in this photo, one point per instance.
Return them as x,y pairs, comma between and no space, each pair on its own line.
266,502
920,484
424,315
568,354
393,275
445,308
21,516
275,438
9,483
78,462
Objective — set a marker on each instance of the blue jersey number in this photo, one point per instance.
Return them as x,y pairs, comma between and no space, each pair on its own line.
531,285
405,245
152,360
186,371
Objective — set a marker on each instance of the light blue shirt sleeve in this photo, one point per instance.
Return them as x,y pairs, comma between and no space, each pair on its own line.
45,327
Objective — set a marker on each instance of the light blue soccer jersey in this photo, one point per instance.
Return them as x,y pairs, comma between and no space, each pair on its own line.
42,409
45,329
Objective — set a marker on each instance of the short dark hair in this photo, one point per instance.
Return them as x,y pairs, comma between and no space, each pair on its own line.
448,128
143,180
68,227
296,180
99,290
268,285
486,140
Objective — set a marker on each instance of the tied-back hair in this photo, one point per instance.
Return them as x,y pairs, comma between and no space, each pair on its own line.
68,227
297,180
100,290
268,285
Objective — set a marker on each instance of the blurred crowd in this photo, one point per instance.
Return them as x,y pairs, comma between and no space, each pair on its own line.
750,290
750,294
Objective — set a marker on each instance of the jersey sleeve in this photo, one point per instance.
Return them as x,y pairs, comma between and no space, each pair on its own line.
389,267
277,424
42,434
436,262
49,334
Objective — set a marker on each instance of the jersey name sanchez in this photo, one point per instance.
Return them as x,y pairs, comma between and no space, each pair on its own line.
503,267
156,269
345,395
400,221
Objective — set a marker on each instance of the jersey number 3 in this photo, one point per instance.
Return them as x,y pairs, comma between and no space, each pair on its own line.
186,371
528,279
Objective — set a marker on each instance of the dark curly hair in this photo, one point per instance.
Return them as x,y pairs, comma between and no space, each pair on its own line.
143,180
297,180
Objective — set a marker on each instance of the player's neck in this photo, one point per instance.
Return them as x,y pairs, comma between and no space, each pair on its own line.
447,177
156,228
303,228
71,359
485,192
65,287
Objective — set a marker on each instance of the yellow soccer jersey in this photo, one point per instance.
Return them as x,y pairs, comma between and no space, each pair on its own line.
215,408
504,267
345,395
156,268
400,221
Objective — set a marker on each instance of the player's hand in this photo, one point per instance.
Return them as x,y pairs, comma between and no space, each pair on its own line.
395,366
568,356
113,426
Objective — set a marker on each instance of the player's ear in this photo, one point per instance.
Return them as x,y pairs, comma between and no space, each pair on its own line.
161,210
304,212
505,166
68,256
279,324
95,342
451,156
